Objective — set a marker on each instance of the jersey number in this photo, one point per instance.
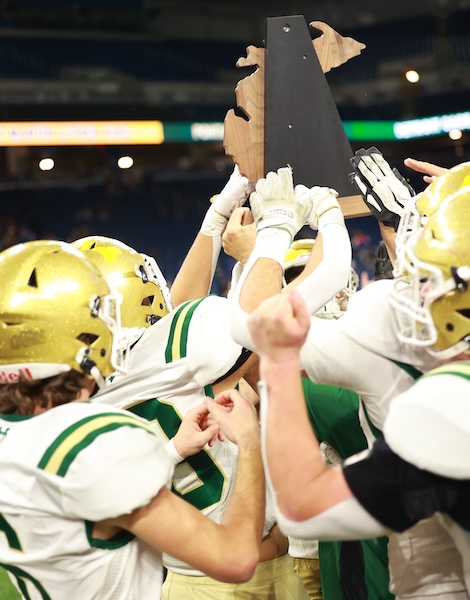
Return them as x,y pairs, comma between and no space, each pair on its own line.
21,576
198,479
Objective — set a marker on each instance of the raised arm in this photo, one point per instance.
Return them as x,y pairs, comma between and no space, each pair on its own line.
385,191
306,491
194,278
328,268
278,215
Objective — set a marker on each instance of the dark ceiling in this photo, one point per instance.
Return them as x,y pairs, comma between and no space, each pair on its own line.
175,59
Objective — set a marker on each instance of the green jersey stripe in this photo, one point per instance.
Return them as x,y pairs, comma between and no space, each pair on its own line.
178,338
64,449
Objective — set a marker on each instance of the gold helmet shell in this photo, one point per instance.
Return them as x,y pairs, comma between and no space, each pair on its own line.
433,301
298,253
297,257
56,313
145,295
421,207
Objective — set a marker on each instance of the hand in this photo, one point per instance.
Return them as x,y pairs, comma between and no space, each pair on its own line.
236,417
239,237
322,200
279,326
234,194
431,171
196,430
236,191
274,203
384,190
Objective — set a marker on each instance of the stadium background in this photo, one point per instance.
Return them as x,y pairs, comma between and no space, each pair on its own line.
174,61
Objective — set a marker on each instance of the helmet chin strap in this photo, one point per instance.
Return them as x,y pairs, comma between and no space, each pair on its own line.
88,366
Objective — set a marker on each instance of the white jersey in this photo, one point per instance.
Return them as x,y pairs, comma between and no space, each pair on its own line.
437,408
438,404
362,353
62,471
171,369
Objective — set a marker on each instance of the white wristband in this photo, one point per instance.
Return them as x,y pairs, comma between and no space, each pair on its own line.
332,215
172,452
214,223
271,243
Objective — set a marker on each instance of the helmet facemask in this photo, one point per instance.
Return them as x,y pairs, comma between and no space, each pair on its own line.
432,302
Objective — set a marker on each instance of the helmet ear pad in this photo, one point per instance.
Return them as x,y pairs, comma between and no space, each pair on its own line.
52,313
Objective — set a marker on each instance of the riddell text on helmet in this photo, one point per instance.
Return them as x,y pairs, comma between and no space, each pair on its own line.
6,377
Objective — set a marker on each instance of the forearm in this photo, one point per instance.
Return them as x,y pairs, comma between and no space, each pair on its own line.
260,279
389,235
291,451
330,275
245,513
194,279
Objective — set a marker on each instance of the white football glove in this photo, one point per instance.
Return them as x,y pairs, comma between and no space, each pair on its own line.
323,199
385,190
234,194
274,203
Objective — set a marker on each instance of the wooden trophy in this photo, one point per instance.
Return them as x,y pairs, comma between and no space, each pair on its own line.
291,117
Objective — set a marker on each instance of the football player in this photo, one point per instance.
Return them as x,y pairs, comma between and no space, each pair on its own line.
85,504
189,354
419,468
362,352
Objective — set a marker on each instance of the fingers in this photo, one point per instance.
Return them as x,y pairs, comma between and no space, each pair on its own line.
430,170
227,398
299,309
198,412
209,435
238,216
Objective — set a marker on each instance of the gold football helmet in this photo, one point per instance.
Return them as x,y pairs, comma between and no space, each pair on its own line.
422,206
295,260
298,254
432,302
145,294
56,313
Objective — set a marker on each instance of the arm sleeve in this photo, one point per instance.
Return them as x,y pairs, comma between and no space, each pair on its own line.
332,274
120,470
345,521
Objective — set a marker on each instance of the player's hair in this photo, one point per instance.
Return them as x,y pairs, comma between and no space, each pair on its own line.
25,395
